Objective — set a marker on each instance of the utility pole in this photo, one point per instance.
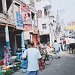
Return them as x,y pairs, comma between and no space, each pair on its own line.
58,26
57,23
49,16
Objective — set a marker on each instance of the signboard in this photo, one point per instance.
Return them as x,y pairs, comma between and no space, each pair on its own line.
71,27
26,14
19,19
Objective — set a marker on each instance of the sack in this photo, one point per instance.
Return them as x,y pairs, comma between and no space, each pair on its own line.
42,64
24,63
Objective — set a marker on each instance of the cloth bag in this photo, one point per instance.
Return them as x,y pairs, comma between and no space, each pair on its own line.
24,63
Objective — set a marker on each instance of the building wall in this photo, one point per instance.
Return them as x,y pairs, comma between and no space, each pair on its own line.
29,28
43,20
9,18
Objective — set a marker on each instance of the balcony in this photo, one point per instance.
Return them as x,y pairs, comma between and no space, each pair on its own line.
6,20
3,18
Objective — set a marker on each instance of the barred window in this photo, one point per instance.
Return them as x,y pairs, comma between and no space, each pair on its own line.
39,14
44,26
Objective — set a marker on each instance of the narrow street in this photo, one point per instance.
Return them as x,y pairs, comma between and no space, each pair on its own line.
48,25
63,66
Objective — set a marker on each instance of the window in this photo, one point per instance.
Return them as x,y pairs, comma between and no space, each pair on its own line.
45,12
39,14
44,26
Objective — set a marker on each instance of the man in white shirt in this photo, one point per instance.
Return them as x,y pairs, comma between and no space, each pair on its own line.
56,47
33,56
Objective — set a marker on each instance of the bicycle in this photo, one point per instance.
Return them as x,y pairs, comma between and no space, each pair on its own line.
48,59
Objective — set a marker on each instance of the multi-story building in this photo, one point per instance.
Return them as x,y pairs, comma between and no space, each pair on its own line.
30,28
18,24
45,20
11,26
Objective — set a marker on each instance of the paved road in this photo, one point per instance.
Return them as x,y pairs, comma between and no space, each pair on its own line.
63,66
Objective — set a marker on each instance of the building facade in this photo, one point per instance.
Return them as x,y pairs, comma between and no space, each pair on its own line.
30,28
11,26
45,20
18,24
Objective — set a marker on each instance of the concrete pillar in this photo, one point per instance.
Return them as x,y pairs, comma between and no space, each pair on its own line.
22,41
4,6
50,35
7,37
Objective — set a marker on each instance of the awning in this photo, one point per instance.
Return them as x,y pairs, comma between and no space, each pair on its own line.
72,27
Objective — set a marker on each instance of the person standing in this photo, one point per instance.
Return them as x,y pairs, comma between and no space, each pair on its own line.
6,56
67,39
33,56
64,44
61,44
56,47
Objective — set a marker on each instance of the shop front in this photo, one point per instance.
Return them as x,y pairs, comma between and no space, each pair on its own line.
2,41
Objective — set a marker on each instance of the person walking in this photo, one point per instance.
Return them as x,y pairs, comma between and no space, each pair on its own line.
33,56
56,47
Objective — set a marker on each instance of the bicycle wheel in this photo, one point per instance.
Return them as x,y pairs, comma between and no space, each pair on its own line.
48,59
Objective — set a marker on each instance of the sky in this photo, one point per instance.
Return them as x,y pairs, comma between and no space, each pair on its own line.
67,9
